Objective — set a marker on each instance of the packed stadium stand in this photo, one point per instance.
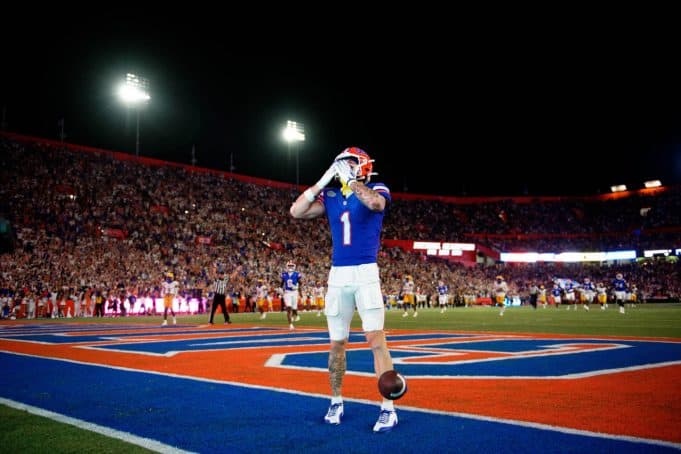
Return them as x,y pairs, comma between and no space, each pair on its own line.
92,221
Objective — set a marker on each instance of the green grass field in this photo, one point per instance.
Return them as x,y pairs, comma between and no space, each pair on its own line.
23,432
26,433
647,320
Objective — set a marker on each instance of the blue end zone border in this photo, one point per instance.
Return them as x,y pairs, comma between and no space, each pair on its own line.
66,335
207,416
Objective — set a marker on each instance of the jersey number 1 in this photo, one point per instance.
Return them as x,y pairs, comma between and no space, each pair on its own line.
345,220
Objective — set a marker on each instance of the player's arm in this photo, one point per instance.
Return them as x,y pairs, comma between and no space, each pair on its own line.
370,198
306,205
302,208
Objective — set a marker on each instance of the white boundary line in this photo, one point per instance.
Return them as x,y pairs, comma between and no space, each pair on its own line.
106,431
277,360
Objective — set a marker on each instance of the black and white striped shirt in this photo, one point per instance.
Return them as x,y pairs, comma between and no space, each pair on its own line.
220,286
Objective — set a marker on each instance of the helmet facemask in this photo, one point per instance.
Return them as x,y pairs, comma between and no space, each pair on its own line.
362,165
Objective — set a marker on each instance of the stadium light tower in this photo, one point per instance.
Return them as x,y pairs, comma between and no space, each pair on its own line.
135,92
294,132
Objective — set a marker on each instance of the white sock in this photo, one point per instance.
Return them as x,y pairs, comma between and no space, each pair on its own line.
336,400
388,405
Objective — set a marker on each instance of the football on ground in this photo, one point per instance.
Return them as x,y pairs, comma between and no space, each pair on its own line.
392,385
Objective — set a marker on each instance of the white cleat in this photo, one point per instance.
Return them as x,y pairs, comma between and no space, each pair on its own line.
291,327
405,314
165,323
297,319
174,321
416,314
387,419
334,414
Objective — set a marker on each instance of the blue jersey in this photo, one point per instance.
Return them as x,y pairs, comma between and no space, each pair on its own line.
290,280
620,285
442,289
355,229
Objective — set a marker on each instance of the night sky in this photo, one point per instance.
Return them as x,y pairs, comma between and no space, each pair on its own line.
595,114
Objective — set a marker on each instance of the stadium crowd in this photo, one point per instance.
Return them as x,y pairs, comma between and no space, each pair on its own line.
88,225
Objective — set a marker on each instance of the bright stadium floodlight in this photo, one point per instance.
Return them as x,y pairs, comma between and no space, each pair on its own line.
652,184
294,132
618,188
135,92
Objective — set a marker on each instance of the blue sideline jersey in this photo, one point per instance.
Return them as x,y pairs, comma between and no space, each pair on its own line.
355,229
620,285
290,280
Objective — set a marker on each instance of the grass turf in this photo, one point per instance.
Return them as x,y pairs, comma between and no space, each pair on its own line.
27,433
645,320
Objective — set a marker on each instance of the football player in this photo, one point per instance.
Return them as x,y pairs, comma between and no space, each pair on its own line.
587,292
442,295
169,289
620,286
261,297
355,216
319,291
290,283
408,295
500,288
602,295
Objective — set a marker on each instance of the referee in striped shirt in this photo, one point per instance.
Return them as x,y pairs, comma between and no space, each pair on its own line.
219,292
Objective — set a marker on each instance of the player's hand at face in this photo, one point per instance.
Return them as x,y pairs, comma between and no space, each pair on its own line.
345,171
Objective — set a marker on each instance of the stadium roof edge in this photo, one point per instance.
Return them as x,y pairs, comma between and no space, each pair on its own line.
468,200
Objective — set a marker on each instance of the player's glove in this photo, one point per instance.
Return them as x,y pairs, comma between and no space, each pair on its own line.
327,177
345,173
343,155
